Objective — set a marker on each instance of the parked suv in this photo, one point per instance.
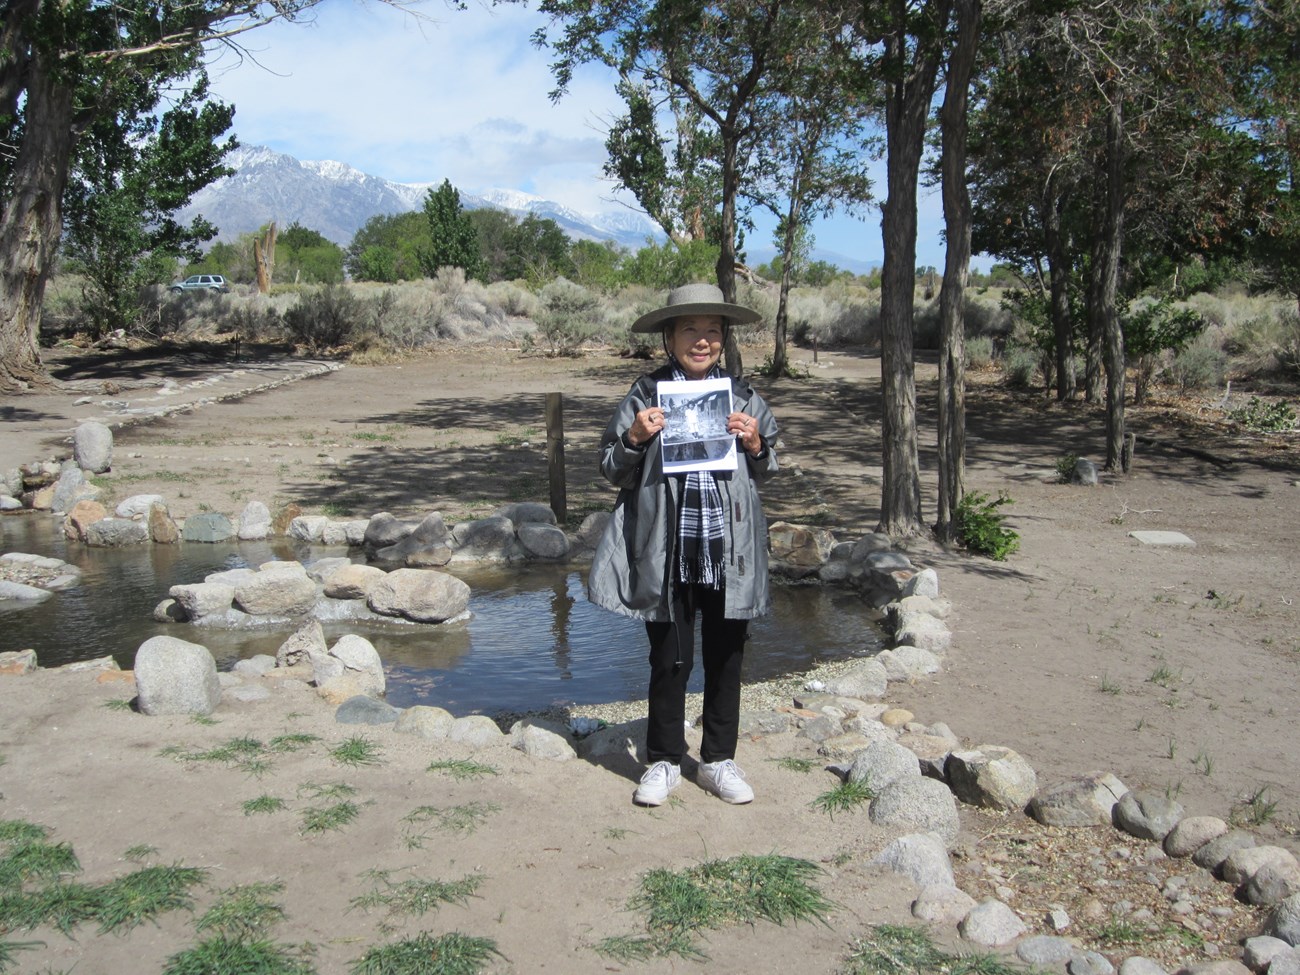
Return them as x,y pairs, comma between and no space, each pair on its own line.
201,282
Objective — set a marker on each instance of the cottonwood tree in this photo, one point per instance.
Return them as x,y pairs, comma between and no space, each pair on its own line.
127,184
64,65
904,42
453,240
817,156
967,16
1145,170
721,58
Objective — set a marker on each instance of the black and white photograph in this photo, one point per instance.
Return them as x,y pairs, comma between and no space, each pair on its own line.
695,436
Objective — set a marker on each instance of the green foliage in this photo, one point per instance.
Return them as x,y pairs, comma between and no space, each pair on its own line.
453,240
452,953
663,266
1065,467
387,248
130,178
325,317
305,256
1154,328
980,528
1263,417
597,266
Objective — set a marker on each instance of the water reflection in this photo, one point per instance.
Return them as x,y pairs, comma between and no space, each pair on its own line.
531,638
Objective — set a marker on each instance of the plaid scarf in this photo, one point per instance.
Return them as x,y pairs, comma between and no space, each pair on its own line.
701,522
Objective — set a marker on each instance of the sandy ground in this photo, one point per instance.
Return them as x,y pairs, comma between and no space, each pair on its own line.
1174,668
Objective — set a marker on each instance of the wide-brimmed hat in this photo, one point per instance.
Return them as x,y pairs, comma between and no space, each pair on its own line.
695,299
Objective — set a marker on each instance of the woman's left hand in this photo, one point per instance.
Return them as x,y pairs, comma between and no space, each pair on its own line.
745,427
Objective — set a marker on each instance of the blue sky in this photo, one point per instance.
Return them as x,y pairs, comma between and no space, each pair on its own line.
461,96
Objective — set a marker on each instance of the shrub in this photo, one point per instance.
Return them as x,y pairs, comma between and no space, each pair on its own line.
979,352
1020,365
980,529
325,317
1265,417
569,316
1065,467
1200,365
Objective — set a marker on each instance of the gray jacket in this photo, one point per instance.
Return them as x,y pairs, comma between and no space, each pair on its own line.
631,572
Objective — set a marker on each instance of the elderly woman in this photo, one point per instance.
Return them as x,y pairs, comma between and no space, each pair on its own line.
682,544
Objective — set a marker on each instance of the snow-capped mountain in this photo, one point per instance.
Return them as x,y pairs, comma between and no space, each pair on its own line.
336,200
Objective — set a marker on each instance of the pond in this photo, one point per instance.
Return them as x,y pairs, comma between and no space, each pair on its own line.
531,640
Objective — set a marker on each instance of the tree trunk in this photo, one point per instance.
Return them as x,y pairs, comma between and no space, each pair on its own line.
264,259
726,266
1112,243
30,225
1058,271
907,104
952,294
780,359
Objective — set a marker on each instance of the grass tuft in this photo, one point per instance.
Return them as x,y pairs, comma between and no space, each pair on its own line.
21,831
357,750
36,859
792,764
7,949
338,790
462,768
320,819
894,949
680,904
845,797
453,819
63,905
1256,809
118,704
228,955
139,853
144,894
445,954
246,911
291,742
263,804
415,897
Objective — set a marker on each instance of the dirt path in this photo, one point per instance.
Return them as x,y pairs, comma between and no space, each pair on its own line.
1174,668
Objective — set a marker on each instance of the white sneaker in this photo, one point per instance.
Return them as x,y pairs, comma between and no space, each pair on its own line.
725,781
660,779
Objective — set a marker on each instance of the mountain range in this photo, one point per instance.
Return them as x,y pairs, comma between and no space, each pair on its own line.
336,200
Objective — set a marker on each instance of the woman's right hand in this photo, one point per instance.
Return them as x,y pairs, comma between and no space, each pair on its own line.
646,426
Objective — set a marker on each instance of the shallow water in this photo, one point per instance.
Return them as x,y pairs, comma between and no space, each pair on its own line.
531,639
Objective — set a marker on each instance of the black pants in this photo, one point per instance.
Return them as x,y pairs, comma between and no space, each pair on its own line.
672,655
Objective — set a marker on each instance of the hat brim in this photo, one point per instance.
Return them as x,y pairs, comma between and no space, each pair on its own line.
654,321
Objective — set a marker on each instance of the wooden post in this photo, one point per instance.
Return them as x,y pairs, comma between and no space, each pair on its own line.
555,454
